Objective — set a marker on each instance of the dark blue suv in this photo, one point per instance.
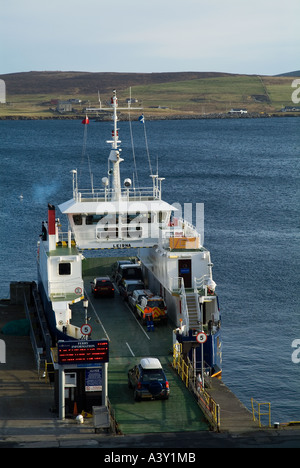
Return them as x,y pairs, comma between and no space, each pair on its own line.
148,380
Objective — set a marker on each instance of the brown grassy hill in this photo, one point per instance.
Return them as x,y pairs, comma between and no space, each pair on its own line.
86,83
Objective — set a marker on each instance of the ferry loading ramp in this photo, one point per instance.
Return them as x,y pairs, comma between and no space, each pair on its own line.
129,341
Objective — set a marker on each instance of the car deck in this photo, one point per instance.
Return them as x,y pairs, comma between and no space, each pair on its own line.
129,341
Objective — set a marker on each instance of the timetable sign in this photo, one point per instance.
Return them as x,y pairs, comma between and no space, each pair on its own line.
82,352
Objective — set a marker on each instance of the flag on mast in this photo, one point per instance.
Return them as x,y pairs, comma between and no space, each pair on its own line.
142,118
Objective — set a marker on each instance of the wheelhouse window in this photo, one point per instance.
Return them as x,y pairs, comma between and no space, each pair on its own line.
77,219
104,218
64,268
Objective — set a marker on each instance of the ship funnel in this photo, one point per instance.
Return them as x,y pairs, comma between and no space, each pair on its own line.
51,227
51,219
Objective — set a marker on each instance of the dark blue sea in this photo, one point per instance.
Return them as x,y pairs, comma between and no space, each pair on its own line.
247,174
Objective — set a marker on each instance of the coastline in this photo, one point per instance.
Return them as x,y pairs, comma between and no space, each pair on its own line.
104,118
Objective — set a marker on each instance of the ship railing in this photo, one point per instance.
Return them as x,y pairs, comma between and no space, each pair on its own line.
182,227
210,408
108,194
257,413
189,229
63,238
196,374
128,231
179,364
115,232
199,285
182,235
38,351
147,233
177,285
185,370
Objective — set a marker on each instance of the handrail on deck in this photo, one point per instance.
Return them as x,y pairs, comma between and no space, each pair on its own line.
107,194
199,284
185,370
179,283
258,411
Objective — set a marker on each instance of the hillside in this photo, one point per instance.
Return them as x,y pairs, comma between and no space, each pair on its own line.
89,83
293,73
182,94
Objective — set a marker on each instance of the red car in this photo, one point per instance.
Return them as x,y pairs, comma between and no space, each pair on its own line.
102,287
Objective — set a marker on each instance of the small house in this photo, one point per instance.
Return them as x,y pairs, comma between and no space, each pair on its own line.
64,106
238,111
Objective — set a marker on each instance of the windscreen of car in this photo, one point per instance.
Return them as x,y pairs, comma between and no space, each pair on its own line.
102,283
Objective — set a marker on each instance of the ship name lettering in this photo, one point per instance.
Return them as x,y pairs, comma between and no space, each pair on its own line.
121,246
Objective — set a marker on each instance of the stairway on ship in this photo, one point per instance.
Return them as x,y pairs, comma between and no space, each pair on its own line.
191,300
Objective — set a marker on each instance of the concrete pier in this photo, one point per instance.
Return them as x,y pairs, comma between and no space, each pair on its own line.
235,417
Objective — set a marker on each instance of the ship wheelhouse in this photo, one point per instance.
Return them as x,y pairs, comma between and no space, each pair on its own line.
134,221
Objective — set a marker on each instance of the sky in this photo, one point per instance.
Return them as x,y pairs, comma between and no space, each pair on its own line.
233,36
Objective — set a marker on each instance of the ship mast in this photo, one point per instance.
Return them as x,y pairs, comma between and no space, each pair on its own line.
114,156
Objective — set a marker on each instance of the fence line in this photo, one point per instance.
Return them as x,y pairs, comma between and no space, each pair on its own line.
259,412
185,370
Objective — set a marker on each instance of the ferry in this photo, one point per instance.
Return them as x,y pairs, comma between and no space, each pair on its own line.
175,264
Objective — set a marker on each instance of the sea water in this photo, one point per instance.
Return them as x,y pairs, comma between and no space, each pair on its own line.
246,172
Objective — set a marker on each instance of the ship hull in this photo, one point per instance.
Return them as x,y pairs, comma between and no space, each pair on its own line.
212,351
56,334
